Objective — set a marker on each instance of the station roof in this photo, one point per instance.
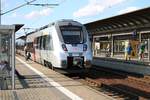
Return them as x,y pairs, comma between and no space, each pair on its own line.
7,28
22,37
130,21
18,26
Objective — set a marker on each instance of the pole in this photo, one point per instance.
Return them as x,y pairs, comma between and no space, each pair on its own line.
112,45
13,60
149,49
0,12
140,37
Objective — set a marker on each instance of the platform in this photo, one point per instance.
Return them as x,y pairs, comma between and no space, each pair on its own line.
118,63
35,82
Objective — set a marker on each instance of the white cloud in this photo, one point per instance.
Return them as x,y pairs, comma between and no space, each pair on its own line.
35,14
95,7
129,9
14,15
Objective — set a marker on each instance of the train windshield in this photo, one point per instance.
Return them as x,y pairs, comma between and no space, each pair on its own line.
72,34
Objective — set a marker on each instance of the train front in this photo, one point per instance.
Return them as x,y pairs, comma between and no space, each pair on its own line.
75,45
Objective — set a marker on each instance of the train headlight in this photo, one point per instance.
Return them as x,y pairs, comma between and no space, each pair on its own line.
64,47
84,47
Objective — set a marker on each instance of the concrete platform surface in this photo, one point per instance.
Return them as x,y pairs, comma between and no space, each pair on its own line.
35,82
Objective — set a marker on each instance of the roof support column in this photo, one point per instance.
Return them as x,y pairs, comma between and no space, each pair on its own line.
112,46
140,37
93,46
13,60
149,49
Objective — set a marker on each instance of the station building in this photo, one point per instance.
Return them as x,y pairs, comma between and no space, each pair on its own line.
117,31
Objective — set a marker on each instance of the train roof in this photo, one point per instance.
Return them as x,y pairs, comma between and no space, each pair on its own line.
51,24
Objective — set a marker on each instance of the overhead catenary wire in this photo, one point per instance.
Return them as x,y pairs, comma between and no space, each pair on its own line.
27,3
22,5
43,5
37,20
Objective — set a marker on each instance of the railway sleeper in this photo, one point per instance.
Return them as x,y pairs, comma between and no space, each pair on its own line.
93,83
112,91
119,92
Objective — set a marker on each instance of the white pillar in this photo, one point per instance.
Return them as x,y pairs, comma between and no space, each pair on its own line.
112,46
13,60
149,49
140,37
0,12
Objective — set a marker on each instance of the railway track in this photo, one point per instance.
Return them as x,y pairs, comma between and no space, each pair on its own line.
114,92
119,85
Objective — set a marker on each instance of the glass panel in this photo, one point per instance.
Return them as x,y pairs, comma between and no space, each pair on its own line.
5,60
47,42
72,34
4,48
119,46
103,45
43,42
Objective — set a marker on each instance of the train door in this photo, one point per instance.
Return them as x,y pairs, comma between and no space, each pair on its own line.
43,49
34,47
49,49
38,49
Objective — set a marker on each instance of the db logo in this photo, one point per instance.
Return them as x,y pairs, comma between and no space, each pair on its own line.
75,49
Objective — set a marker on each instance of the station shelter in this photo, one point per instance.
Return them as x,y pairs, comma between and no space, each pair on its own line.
118,31
7,54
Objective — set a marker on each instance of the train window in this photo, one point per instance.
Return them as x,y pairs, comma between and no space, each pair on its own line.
72,34
44,42
48,43
51,43
35,43
30,46
39,42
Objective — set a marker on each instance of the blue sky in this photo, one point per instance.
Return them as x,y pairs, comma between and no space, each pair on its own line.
83,11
